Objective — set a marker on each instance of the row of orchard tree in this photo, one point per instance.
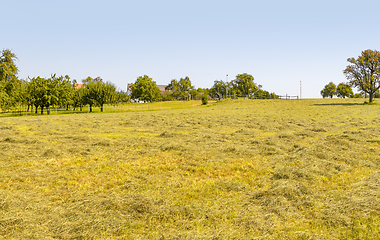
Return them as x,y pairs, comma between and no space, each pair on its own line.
42,93
145,89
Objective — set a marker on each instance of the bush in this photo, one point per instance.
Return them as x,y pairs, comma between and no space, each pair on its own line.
204,99
357,95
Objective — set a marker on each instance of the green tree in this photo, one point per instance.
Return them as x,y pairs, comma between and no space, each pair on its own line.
46,92
262,94
5,101
145,89
329,90
204,99
364,72
175,89
167,96
123,97
219,89
66,91
9,84
43,93
79,98
194,93
344,90
180,89
8,68
244,85
97,92
185,86
88,92
32,95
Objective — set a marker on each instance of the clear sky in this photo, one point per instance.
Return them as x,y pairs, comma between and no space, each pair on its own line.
279,42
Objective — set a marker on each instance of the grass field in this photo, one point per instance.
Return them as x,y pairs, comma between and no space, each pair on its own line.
240,169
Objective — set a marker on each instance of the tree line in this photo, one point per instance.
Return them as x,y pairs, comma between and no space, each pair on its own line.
38,93
145,89
42,93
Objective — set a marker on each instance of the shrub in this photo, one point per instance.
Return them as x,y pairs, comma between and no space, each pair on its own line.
204,99
357,95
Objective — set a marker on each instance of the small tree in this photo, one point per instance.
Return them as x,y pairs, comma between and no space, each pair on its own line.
204,99
329,90
344,90
364,72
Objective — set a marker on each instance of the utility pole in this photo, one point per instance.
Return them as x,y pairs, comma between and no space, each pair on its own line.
226,85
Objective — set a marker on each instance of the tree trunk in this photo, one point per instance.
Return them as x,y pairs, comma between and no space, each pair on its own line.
28,108
101,108
370,96
67,107
36,109
90,108
48,110
42,110
80,108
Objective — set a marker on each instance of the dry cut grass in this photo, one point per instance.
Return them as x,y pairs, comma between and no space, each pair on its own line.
242,169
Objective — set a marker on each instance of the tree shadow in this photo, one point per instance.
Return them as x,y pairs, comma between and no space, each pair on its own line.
338,104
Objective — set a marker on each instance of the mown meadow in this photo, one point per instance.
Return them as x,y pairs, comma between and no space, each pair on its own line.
239,169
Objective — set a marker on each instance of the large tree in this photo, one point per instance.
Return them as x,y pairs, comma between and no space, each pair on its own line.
364,72
329,90
9,84
244,85
145,89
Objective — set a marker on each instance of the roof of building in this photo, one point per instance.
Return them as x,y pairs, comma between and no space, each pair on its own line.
77,86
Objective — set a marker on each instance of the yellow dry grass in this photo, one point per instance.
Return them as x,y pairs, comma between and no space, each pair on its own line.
241,169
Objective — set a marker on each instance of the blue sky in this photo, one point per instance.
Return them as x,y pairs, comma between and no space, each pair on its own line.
279,42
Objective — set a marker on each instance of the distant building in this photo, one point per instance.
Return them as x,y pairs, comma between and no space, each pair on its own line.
77,86
129,90
162,88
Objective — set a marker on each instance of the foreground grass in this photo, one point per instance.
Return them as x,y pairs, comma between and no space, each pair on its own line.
263,169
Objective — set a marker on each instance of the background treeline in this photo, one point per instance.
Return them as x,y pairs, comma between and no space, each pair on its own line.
342,91
145,89
40,94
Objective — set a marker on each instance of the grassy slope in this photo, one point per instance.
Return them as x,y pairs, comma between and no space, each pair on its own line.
237,170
